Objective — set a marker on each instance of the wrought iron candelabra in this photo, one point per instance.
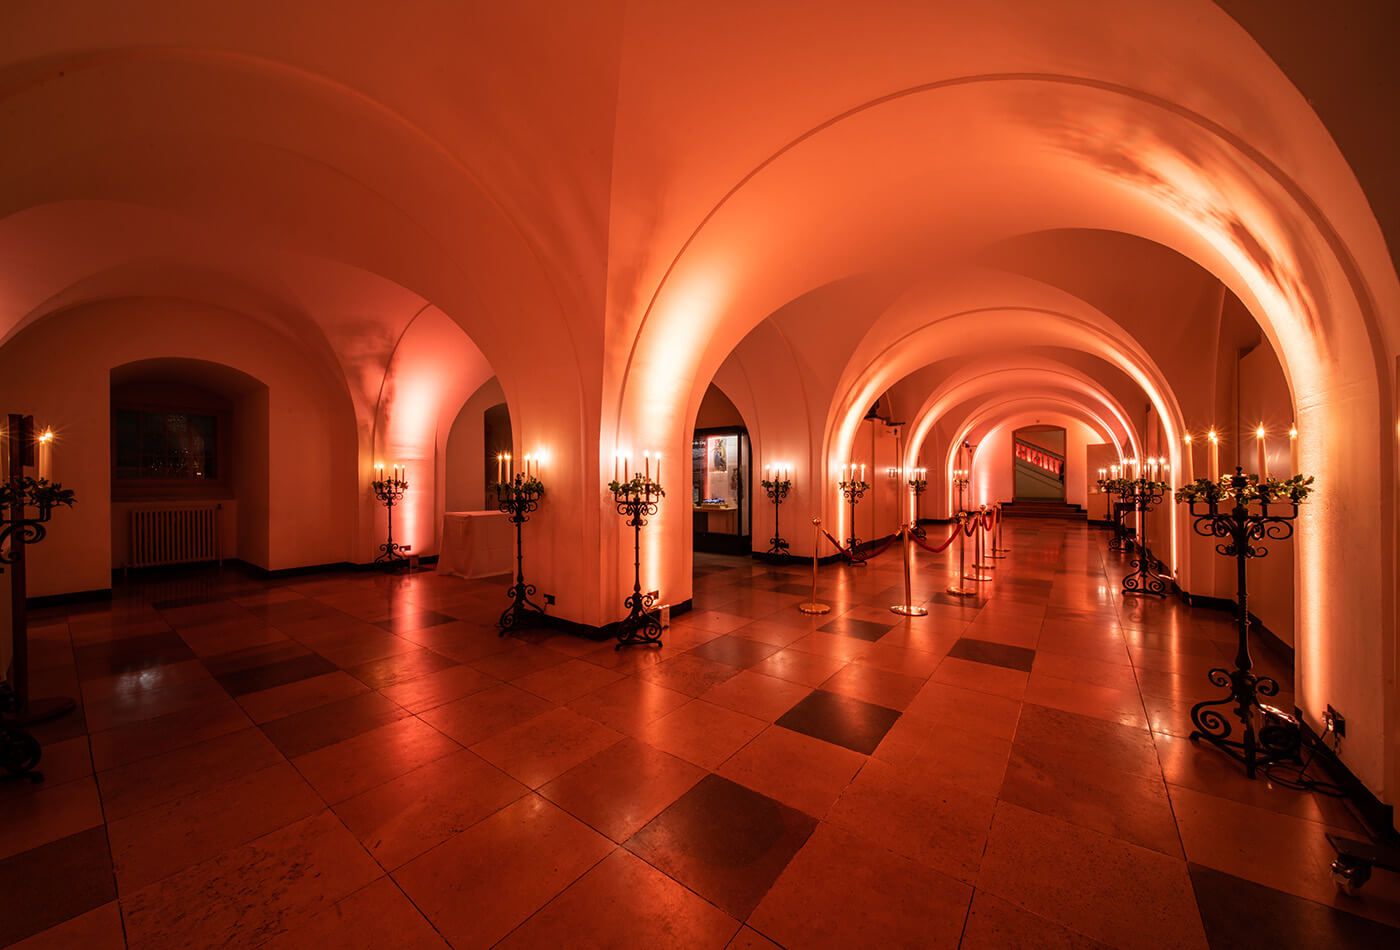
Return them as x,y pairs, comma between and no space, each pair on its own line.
1141,494
1243,513
960,483
637,500
918,484
854,490
518,497
390,492
1121,542
26,505
777,490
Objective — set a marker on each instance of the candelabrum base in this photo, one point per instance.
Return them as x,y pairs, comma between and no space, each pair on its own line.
38,710
392,554
1000,552
521,608
814,608
974,576
1144,581
19,755
642,626
777,546
909,610
1276,738
957,590
984,567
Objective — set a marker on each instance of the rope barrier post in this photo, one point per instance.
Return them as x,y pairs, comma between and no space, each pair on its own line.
980,527
956,588
814,606
908,608
997,550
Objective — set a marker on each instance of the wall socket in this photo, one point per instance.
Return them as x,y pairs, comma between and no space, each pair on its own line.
1338,721
665,616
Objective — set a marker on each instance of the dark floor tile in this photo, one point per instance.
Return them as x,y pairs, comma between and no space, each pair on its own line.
292,611
415,620
254,657
725,842
1240,913
326,725
294,670
995,654
970,604
801,590
736,651
840,720
860,629
45,886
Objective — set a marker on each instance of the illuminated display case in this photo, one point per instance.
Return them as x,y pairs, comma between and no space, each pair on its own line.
719,490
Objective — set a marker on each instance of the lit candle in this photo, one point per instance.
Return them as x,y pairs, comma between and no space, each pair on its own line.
1213,456
379,471
767,473
1262,452
658,468
1293,449
862,471
46,455
615,465
1186,457
627,468
646,464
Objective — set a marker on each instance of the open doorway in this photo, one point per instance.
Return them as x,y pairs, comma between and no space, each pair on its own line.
1038,461
721,467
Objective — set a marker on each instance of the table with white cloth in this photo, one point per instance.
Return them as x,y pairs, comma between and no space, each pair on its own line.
476,544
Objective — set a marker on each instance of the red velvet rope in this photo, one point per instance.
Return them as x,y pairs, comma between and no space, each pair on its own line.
984,521
952,536
873,552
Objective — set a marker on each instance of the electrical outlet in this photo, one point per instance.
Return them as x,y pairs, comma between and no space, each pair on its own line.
665,616
549,600
1338,721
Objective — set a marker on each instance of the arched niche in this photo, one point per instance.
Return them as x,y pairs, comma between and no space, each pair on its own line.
481,430
223,413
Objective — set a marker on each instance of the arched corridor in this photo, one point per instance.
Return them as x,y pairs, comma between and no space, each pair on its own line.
727,301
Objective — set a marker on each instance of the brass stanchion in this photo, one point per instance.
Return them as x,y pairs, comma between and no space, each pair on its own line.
977,564
814,606
908,608
997,550
956,588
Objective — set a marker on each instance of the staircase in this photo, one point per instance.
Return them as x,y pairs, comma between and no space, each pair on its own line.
1033,508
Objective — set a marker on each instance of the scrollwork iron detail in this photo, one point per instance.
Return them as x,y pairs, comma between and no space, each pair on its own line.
1242,528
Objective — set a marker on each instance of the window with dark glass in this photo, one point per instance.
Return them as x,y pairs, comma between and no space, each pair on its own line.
165,446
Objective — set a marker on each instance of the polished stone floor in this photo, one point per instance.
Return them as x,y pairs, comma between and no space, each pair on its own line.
355,760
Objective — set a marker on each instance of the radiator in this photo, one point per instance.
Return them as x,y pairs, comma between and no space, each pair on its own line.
162,536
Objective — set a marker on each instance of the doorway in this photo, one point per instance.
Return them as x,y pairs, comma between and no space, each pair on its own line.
719,493
1038,463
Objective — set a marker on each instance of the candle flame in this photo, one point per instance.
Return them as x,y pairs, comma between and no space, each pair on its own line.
1259,432
1212,436
1293,432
